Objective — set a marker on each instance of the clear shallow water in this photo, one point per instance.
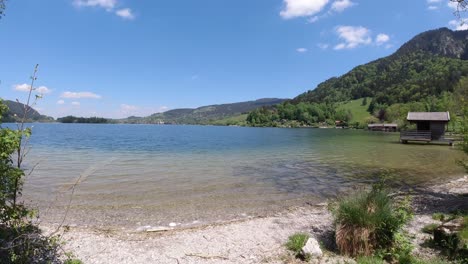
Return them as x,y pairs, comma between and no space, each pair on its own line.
137,175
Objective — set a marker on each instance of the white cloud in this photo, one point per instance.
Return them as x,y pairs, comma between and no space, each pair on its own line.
381,39
313,19
341,5
323,46
75,103
453,5
22,87
301,50
353,37
60,102
78,95
127,109
459,25
125,13
107,4
301,8
433,1
42,90
340,46
431,7
26,87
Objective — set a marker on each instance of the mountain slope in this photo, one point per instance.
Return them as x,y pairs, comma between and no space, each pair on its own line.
16,112
427,65
210,114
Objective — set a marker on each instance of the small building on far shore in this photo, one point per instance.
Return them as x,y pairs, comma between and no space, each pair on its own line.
430,126
383,127
435,122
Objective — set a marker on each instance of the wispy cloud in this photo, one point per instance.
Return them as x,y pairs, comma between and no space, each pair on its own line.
60,102
302,8
341,5
382,38
301,50
323,46
80,95
26,87
352,37
108,5
75,103
453,5
126,110
459,25
125,13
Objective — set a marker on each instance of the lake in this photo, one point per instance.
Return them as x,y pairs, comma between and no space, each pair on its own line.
139,175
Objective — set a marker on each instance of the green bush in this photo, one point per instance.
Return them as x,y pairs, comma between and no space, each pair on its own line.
368,221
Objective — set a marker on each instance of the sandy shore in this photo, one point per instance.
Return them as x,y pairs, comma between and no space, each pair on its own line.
255,240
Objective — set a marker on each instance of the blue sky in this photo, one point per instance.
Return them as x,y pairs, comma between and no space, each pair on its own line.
116,58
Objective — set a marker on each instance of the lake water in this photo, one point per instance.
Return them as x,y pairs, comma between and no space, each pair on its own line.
138,175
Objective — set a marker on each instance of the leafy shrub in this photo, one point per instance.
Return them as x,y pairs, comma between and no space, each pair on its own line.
368,220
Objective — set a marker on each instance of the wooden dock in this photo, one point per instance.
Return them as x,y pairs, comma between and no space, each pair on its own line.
421,136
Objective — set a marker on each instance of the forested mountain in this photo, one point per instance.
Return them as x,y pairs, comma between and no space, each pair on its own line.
16,112
206,114
429,64
425,69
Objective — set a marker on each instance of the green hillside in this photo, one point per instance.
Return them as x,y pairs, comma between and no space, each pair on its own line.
16,112
431,63
422,75
222,114
359,113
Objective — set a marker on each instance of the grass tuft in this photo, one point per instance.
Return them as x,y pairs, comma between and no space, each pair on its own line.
429,229
296,242
368,220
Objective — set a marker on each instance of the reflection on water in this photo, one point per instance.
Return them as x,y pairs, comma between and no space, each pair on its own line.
151,175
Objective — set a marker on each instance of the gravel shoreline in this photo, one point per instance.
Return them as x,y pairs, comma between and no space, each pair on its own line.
254,240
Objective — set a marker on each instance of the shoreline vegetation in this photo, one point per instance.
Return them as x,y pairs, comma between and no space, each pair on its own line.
260,239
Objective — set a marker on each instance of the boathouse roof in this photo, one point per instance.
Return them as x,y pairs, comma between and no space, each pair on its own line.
429,116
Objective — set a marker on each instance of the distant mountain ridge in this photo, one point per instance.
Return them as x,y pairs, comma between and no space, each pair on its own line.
429,64
442,42
16,111
205,114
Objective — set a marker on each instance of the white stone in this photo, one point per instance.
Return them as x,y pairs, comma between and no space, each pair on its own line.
158,229
312,248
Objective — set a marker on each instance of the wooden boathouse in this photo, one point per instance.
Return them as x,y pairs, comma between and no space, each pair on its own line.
430,126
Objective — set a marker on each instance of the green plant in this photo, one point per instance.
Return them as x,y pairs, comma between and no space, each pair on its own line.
296,242
21,241
438,216
73,261
369,260
368,221
429,229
